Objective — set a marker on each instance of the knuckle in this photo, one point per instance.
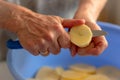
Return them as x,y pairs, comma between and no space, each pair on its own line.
41,43
106,45
57,27
58,18
50,37
65,42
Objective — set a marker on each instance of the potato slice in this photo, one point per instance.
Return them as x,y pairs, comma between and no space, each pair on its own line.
109,71
97,77
73,75
59,70
32,79
83,68
47,73
81,35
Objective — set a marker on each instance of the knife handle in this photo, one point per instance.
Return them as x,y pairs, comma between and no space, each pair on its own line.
14,44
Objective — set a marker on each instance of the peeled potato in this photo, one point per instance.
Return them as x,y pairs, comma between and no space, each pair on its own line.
109,71
78,72
97,77
83,68
47,73
59,70
81,35
32,79
73,75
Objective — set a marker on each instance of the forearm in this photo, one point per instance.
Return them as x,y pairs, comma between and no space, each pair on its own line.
10,14
92,8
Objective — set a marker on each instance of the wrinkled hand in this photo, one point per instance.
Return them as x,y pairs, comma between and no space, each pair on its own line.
42,33
97,45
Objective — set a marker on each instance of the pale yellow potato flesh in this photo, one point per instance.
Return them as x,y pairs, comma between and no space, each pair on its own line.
109,71
32,79
59,70
47,73
78,72
97,77
81,35
85,68
73,75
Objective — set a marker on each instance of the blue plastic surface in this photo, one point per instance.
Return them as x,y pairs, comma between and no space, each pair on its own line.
23,65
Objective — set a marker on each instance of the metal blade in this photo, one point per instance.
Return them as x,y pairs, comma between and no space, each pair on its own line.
98,33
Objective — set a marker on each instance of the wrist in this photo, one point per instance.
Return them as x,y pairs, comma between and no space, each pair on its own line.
89,20
86,15
90,8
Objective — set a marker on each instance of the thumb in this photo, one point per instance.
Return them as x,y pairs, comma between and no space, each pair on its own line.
69,23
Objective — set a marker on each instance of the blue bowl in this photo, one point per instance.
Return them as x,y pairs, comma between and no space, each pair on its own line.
23,65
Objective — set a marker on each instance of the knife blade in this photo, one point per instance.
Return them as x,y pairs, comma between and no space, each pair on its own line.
98,33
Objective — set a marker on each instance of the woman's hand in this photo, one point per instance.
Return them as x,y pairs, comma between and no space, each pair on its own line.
89,10
41,33
97,45
37,33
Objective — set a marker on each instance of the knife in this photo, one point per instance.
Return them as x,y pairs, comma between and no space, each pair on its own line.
98,33
16,44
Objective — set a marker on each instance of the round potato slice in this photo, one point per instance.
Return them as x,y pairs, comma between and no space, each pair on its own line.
97,77
32,79
47,73
110,71
73,75
81,35
84,68
59,70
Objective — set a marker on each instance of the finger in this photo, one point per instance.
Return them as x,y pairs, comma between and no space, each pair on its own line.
100,45
69,23
73,50
64,40
83,51
93,25
30,46
43,46
54,47
38,47
34,50
45,53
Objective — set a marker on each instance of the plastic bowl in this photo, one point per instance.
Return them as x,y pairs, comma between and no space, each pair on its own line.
23,65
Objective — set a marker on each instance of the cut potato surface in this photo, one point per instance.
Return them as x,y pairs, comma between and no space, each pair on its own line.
47,73
59,70
73,75
83,68
110,71
32,79
97,77
78,72
81,35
